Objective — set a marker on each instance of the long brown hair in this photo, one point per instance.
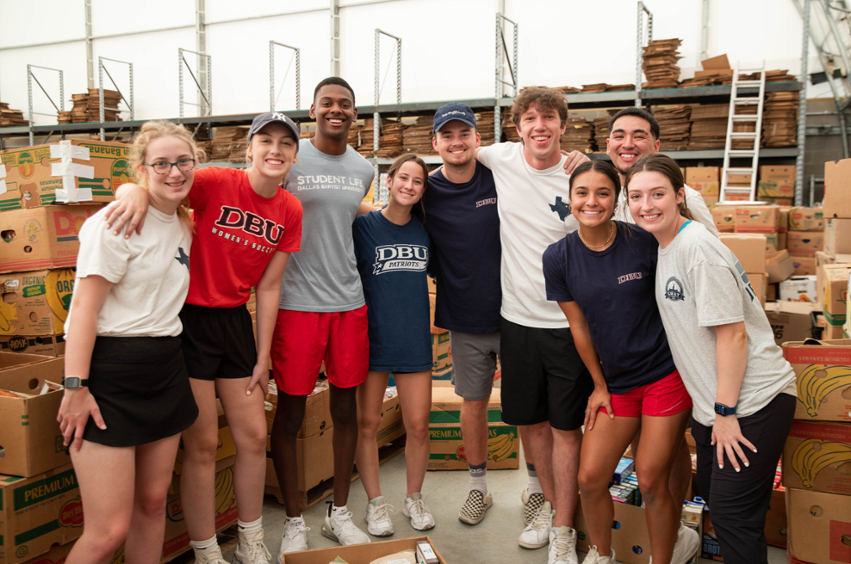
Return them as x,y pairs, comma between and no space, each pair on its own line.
667,167
153,130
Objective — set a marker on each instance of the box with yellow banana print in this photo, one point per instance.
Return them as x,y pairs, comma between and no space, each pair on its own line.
35,303
824,379
447,444
817,457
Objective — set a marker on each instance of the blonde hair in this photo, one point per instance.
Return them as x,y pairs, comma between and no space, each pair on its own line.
153,130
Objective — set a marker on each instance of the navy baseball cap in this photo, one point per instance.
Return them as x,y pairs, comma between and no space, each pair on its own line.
453,111
263,120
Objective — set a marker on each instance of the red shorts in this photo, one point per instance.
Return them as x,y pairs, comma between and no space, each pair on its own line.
662,398
302,340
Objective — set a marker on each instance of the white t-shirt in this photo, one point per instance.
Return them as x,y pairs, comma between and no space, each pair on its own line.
694,202
533,213
149,273
700,285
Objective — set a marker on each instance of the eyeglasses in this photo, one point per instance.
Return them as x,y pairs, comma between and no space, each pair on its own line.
163,167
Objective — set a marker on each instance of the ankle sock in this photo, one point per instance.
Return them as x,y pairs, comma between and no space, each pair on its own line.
299,519
479,477
248,530
534,485
204,547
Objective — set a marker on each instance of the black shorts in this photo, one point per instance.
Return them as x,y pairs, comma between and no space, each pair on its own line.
543,377
142,389
218,342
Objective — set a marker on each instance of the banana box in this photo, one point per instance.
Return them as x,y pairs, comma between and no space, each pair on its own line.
56,555
38,512
817,457
39,238
819,527
35,303
441,353
805,242
69,171
47,345
447,444
823,369
757,218
835,292
724,217
806,219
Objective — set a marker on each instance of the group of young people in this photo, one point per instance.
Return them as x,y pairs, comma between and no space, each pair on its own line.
602,289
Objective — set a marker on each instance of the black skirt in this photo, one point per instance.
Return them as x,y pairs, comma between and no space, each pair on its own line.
142,389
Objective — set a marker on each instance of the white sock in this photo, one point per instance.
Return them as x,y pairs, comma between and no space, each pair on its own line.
335,510
202,548
247,531
299,519
479,477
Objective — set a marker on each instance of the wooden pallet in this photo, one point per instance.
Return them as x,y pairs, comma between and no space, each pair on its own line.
314,495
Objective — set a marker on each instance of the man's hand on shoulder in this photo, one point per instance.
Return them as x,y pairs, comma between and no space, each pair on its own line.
574,159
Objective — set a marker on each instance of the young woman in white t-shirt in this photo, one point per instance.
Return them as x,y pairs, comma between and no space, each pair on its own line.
742,388
127,396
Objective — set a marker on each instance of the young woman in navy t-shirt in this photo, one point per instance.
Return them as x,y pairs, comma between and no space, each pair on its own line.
392,251
602,276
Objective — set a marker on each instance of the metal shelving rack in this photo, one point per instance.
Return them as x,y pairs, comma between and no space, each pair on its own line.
101,70
30,78
297,56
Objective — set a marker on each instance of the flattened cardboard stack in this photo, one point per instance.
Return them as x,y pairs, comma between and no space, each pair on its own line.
598,87
715,71
660,63
238,145
390,139
86,108
568,89
508,128
601,132
674,125
226,137
417,137
620,87
770,76
708,126
365,136
11,118
780,119
484,125
578,135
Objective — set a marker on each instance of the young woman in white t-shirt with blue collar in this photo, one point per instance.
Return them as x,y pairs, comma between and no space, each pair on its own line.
742,388
127,396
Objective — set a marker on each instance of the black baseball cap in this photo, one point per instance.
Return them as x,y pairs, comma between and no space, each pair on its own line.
453,111
263,120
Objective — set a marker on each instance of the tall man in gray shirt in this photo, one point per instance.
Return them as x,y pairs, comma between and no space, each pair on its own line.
322,313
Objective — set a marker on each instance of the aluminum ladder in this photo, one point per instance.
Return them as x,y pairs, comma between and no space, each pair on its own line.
738,101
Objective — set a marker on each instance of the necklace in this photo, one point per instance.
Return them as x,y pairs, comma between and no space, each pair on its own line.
611,233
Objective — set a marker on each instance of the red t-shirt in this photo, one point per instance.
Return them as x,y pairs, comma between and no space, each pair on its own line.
237,233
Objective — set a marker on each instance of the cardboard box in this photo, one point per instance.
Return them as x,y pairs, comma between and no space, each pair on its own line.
698,174
359,553
776,190
749,248
630,538
392,427
56,555
804,242
36,303
31,442
317,409
837,189
38,512
823,370
774,241
709,190
315,455
837,237
790,321
447,445
806,219
69,171
758,284
226,449
440,350
724,216
42,237
46,345
757,218
798,289
821,259
776,522
833,332
819,526
817,457
835,292
432,301
771,292
778,266
805,265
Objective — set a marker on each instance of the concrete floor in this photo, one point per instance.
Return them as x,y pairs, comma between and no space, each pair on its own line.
494,540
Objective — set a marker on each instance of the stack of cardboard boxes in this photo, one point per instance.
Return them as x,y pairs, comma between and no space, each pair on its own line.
705,181
440,350
805,238
835,262
750,249
818,452
777,184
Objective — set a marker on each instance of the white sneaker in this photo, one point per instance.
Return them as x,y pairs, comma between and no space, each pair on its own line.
562,546
687,545
251,551
294,536
537,533
417,510
212,557
338,526
595,557
378,522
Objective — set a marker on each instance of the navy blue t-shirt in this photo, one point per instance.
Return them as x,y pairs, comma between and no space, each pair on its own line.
392,261
615,289
463,223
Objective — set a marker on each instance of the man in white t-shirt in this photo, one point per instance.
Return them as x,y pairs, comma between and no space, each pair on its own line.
545,385
633,133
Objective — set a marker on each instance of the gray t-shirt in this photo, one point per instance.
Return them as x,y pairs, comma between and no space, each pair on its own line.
323,277
699,285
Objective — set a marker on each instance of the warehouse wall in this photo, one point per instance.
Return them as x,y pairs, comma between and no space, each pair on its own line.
448,45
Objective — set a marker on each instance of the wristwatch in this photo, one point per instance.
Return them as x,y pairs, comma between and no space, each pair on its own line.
74,382
722,409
